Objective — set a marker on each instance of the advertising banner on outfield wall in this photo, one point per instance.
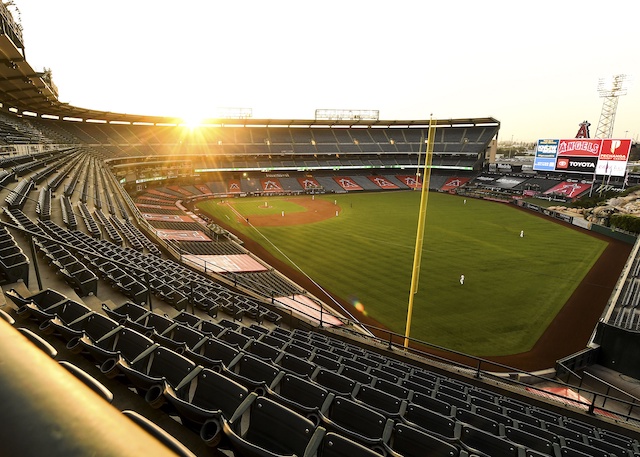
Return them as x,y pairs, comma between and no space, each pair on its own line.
583,155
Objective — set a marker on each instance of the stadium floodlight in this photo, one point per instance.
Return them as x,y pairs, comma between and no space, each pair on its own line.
234,113
610,89
422,217
347,115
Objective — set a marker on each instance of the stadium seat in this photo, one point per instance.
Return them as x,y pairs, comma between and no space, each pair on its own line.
335,445
263,351
158,366
299,350
235,338
301,395
127,310
477,421
119,342
433,404
212,353
251,372
356,374
251,430
151,323
380,401
334,382
296,365
531,441
485,444
443,427
179,337
407,441
574,448
357,421
210,328
209,395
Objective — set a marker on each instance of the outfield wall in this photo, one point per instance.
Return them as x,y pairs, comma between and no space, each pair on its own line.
580,222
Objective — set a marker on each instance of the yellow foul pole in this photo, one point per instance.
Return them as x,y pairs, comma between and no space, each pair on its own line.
417,256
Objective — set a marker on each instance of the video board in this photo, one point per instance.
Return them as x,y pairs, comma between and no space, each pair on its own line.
600,156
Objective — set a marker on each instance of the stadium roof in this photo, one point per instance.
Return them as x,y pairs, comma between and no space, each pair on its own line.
29,93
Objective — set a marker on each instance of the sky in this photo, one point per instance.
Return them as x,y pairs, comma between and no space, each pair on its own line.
534,66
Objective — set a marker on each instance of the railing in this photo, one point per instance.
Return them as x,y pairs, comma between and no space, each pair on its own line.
589,401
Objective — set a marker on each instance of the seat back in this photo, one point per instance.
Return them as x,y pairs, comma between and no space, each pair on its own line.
412,442
215,392
334,445
277,429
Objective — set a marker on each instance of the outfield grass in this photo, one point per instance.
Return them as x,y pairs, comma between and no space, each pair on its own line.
514,286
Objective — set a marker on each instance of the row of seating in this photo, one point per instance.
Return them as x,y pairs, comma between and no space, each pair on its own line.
329,399
14,264
198,394
43,207
18,196
169,280
265,362
114,236
68,216
89,221
83,281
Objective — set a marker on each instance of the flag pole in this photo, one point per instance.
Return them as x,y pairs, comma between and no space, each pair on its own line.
422,216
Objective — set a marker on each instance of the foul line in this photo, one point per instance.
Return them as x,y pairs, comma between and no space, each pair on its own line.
297,267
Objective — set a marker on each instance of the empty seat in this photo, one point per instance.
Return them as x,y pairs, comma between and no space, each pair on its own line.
356,374
235,338
296,365
432,404
358,422
392,388
530,441
127,310
485,444
95,326
212,353
412,442
120,342
263,351
564,432
329,363
384,373
380,401
252,372
425,387
443,427
151,323
187,318
265,428
157,367
299,350
524,417
334,382
207,396
586,449
334,445
210,328
299,394
179,337
478,421
580,427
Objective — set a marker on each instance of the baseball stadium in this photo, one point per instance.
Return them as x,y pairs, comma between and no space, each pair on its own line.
341,285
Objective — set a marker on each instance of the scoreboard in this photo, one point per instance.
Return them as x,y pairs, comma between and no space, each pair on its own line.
601,156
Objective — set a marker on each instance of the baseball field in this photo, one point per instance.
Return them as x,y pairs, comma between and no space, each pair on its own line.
360,248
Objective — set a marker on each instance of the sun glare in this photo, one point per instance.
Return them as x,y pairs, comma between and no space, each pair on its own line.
192,122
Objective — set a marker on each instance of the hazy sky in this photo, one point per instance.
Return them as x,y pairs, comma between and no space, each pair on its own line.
534,66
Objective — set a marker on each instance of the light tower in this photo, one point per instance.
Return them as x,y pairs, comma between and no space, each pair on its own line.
610,89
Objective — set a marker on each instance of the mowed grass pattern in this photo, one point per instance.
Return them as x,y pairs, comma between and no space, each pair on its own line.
514,286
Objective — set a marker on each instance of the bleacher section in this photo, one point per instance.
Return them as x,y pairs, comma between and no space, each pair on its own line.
230,383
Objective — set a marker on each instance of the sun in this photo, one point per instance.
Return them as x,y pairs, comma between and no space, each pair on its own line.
192,121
